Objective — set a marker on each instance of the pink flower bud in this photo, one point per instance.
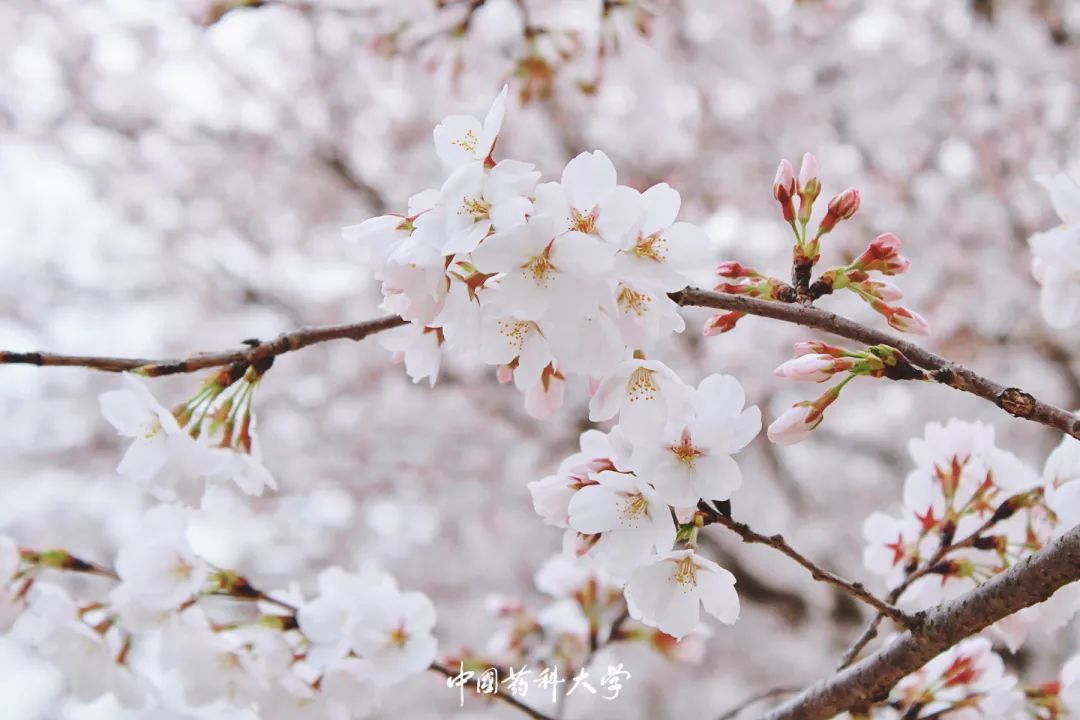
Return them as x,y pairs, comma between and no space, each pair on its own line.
807,347
721,323
792,426
731,269
812,368
808,176
882,290
784,183
883,255
908,321
784,187
841,207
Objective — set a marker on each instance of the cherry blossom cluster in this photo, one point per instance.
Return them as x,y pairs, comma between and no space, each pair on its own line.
170,614
629,495
210,438
1056,254
970,680
970,511
540,280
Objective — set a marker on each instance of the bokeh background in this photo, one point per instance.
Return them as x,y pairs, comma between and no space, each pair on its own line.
174,177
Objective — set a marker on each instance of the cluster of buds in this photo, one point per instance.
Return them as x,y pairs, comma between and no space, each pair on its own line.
222,407
882,256
816,361
807,187
743,280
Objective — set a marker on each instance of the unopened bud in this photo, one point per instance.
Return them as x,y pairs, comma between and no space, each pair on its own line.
809,187
908,321
733,269
841,207
784,187
813,367
722,323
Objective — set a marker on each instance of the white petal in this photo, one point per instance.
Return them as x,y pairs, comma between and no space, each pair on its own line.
594,509
661,207
588,179
718,594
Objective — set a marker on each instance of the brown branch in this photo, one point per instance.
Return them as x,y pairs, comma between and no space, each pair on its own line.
286,342
1027,583
509,699
777,542
1012,400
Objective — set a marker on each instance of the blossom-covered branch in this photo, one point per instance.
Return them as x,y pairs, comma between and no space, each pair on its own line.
1030,582
1012,400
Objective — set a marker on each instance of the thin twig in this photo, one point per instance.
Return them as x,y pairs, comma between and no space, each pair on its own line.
286,342
1012,400
509,699
777,542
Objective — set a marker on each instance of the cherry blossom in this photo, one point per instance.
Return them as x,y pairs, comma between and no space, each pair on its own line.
1060,476
692,459
669,592
462,139
629,516
1056,254
643,393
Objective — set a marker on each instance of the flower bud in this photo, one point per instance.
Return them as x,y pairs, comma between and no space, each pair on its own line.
908,321
841,207
807,347
813,367
884,291
731,269
784,188
809,186
721,323
883,255
793,425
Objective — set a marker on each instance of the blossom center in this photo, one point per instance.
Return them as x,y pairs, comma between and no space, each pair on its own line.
468,142
479,208
685,575
540,269
398,637
685,451
651,247
151,428
635,508
516,333
632,301
641,385
584,222
181,570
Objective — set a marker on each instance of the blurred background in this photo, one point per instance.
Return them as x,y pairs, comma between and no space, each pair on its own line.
174,177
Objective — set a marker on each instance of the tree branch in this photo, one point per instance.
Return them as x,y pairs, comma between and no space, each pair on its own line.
1012,400
1027,583
286,342
777,542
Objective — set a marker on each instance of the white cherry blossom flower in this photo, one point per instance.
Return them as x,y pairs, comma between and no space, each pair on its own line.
645,315
692,459
629,516
668,593
645,394
1056,254
1061,477
542,269
158,569
88,663
588,201
462,139
658,250
418,347
210,666
479,201
392,635
156,436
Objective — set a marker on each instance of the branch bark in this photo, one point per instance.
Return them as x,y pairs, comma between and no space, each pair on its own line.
286,342
1027,583
1012,400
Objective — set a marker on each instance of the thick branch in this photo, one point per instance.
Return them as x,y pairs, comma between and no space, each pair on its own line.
1027,583
1012,400
286,342
777,542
